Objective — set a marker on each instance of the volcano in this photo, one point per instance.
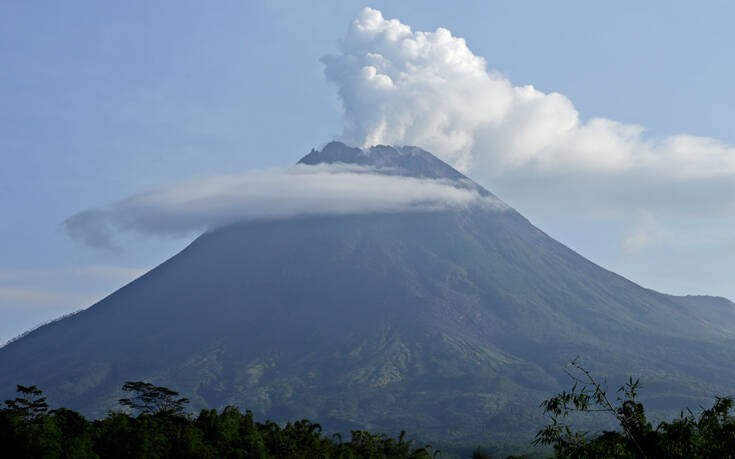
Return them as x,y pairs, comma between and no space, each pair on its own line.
452,324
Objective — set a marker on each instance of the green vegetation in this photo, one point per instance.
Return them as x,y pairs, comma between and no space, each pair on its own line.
162,430
711,434
159,427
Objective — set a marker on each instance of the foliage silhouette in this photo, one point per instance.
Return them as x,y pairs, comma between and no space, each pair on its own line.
30,405
711,434
163,430
150,399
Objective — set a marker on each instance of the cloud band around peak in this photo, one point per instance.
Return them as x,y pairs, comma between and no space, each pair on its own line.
271,194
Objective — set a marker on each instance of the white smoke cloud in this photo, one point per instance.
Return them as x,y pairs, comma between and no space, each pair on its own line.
405,87
643,235
272,194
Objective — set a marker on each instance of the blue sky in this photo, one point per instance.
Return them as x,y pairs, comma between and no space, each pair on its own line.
104,100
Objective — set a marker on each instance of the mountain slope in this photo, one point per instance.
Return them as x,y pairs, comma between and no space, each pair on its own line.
451,324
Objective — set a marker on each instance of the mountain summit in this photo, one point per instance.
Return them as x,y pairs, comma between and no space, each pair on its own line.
451,324
383,159
410,161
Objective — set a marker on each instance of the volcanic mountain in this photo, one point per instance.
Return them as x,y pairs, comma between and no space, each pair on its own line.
449,323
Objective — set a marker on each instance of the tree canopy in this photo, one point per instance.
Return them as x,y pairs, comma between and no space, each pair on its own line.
162,429
150,399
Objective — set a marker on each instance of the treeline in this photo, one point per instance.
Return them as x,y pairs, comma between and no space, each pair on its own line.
155,424
160,428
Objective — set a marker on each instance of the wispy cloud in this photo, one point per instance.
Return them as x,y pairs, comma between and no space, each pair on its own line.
61,289
24,297
270,194
86,272
644,234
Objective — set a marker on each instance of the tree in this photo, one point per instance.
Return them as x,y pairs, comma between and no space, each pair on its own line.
709,435
589,395
153,400
30,405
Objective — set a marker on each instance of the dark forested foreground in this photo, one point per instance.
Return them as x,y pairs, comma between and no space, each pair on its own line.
160,428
